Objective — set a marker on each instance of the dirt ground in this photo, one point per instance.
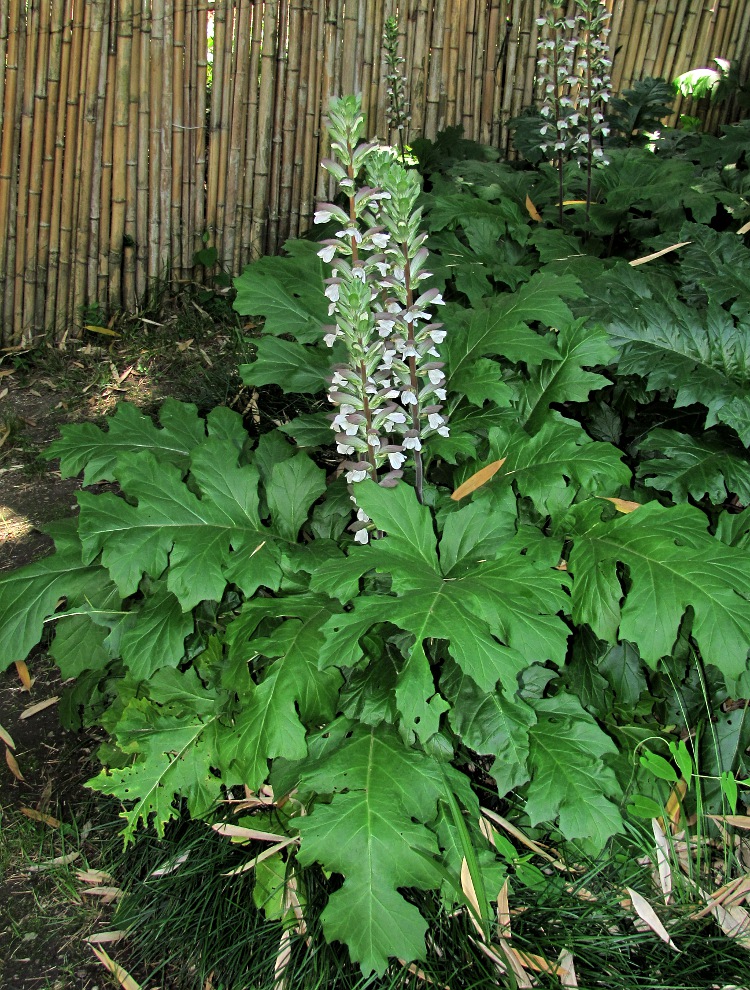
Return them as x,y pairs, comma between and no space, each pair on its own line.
54,893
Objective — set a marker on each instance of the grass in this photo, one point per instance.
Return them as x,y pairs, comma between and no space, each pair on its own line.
204,930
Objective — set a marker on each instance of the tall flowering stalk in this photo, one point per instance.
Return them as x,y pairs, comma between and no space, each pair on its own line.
397,107
574,66
390,394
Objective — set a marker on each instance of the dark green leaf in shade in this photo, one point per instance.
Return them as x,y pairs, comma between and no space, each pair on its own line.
696,466
374,833
570,780
292,366
294,485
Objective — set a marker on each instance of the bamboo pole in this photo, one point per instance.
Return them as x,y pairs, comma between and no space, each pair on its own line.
180,236
154,145
301,119
231,248
188,192
51,314
265,128
370,64
120,128
313,118
101,192
200,123
14,60
489,75
32,272
128,292
432,100
85,201
349,50
289,119
142,225
164,137
681,12
24,173
251,142
54,72
272,235
217,123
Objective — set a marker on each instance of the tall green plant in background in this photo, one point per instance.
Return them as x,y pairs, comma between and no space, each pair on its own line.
495,636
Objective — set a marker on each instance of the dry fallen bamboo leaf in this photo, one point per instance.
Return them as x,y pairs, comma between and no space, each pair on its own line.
673,807
421,975
124,978
478,479
467,885
657,254
39,816
566,969
491,954
13,765
107,894
621,504
744,228
283,956
6,738
272,850
516,965
503,912
94,876
647,914
518,834
248,834
50,864
532,210
38,707
103,937
662,860
23,675
736,821
4,372
105,331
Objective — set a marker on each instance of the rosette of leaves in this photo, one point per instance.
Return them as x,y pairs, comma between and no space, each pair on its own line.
227,631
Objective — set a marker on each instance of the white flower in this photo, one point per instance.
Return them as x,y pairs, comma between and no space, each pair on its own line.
409,398
362,516
321,216
380,240
328,252
330,339
396,418
412,443
396,459
385,327
332,292
344,448
444,431
361,536
435,420
436,376
438,335
440,394
355,476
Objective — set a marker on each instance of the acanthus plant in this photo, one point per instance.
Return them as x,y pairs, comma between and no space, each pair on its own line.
573,68
229,633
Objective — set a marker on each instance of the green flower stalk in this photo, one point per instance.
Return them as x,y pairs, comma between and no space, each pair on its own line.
391,392
397,108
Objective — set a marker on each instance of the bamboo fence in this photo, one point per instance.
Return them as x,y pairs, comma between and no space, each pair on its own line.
135,131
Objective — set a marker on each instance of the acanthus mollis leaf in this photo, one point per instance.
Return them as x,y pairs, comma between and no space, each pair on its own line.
719,263
696,466
673,565
564,379
85,447
176,750
292,690
374,832
154,635
491,724
292,366
287,291
171,525
570,780
31,594
554,464
293,487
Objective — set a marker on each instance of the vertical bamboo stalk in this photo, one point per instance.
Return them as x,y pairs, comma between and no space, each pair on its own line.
681,12
155,126
348,55
120,126
200,122
265,129
272,236
87,150
217,123
251,141
54,73
164,137
463,47
315,105
301,118
418,69
432,101
489,76
231,250
52,316
478,72
128,292
225,128
24,171
181,242
370,65
515,41
290,119
189,99
101,189
8,164
142,234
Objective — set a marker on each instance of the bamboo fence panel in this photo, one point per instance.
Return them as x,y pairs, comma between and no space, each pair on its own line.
134,131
